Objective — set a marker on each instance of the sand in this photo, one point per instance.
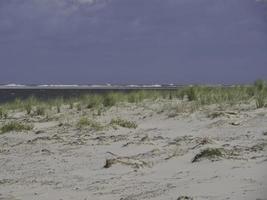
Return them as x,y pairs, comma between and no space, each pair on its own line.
57,160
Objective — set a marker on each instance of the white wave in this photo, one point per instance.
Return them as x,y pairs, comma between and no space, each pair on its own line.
96,86
156,85
14,85
58,86
132,85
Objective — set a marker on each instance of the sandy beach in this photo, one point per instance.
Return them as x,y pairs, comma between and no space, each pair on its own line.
137,151
133,100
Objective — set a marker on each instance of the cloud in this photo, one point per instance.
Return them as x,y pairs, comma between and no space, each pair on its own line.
48,19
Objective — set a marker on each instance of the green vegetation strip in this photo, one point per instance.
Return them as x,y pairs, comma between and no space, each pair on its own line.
15,126
199,95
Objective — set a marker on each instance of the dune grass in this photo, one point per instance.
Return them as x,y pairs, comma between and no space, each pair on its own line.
93,101
260,93
3,113
85,122
15,126
40,110
123,123
196,95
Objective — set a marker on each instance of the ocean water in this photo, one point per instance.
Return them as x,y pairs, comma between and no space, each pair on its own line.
11,92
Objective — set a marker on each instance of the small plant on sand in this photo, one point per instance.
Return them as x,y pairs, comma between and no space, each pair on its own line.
133,97
58,103
260,92
3,113
260,100
259,85
28,107
208,153
98,111
137,96
109,100
93,101
29,103
123,123
85,122
40,110
15,126
191,93
71,104
79,107
58,106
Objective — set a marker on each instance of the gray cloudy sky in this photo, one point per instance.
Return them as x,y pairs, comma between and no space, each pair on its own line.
132,41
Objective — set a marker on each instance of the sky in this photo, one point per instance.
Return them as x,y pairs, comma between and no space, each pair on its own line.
132,41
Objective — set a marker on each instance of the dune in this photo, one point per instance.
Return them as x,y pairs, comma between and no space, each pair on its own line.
137,151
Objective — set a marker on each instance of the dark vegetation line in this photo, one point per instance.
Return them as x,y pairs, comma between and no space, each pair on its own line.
200,95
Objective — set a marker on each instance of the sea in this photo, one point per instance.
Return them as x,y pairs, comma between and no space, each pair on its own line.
10,92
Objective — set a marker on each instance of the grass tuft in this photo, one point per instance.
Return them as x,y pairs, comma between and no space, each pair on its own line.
3,113
40,110
123,123
79,107
15,126
85,122
192,93
93,101
259,85
28,108
110,99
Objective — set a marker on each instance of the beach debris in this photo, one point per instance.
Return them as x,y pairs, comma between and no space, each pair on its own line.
185,198
4,150
209,153
125,160
259,147
46,152
218,123
264,133
214,115
7,181
235,123
39,132
106,140
145,138
177,152
202,141
45,138
227,114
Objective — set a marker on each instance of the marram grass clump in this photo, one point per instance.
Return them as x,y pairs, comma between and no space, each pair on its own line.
3,113
40,110
261,99
123,123
197,95
260,93
84,122
15,126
